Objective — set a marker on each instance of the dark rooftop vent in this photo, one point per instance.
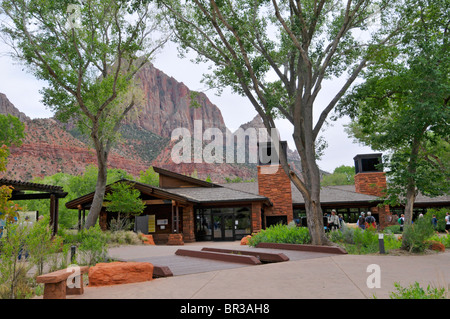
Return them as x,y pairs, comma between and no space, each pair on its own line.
366,163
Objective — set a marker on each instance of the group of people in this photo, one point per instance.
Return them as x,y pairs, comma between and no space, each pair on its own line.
334,221
366,220
434,221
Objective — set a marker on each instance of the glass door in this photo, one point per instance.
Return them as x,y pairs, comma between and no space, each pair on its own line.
223,225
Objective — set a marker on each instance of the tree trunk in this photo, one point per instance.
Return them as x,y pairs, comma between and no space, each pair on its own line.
411,188
100,188
309,185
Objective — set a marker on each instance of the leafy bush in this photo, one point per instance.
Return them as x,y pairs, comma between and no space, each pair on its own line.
13,283
415,236
124,238
93,245
414,291
41,244
440,215
281,234
358,241
393,229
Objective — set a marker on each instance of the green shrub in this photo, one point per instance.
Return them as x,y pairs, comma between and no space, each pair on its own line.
281,234
93,245
358,241
415,236
393,229
414,291
440,215
124,238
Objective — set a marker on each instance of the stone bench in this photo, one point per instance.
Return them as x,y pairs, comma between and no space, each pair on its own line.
56,285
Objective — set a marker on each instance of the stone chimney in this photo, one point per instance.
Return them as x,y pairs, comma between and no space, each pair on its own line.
369,176
274,184
371,180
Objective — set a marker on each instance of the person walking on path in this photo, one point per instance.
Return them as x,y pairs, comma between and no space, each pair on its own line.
434,221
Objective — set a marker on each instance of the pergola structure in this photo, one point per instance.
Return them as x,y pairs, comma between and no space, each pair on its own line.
33,191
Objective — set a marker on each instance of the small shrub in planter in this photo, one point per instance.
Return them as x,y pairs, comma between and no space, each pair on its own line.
281,234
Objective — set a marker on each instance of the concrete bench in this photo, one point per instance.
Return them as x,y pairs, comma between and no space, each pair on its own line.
56,285
262,256
244,259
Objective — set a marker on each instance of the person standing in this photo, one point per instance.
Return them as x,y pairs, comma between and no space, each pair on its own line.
401,221
334,220
447,222
370,221
361,222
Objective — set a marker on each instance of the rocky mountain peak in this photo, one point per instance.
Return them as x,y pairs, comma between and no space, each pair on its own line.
6,107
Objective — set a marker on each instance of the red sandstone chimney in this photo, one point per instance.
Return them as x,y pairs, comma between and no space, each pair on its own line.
370,178
276,185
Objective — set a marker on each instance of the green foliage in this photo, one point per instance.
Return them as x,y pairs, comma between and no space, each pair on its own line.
123,198
122,237
393,229
440,215
402,106
415,236
149,177
281,234
414,291
12,131
75,186
41,245
93,245
358,241
12,271
342,175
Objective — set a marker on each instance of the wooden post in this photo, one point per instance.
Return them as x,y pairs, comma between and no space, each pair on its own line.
53,213
173,218
178,220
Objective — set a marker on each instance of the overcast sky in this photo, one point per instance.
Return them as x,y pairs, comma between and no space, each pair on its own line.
22,89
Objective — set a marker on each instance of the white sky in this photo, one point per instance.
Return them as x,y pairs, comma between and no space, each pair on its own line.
22,89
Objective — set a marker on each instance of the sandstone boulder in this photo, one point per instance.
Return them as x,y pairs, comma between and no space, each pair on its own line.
148,239
244,240
117,273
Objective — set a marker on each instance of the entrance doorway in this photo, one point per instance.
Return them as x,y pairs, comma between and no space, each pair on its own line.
222,223
223,227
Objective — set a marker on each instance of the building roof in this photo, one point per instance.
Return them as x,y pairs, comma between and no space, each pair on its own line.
339,194
196,195
217,195
328,195
44,191
185,178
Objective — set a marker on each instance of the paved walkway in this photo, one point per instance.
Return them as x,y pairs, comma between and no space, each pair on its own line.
304,276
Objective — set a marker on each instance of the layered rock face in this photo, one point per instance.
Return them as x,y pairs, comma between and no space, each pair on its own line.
51,147
6,107
168,105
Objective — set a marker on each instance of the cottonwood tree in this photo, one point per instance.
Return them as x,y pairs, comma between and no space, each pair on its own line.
278,54
88,53
402,107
